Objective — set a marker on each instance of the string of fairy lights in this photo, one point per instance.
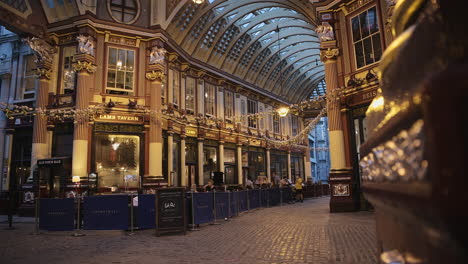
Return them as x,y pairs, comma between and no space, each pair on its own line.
13,111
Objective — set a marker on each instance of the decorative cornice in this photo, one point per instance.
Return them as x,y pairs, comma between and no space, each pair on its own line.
329,54
43,73
84,66
155,76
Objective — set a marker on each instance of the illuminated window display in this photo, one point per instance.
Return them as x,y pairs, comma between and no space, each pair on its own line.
117,161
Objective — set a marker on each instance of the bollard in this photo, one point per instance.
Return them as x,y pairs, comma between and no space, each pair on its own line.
281,197
36,217
77,230
248,201
131,215
229,208
10,213
193,216
214,208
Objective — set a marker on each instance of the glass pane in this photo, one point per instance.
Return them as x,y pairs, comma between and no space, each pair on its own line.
130,60
121,59
129,81
357,134
120,79
112,58
30,84
373,23
377,46
111,79
368,51
364,24
359,54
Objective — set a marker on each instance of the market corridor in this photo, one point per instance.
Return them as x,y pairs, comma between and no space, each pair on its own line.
299,233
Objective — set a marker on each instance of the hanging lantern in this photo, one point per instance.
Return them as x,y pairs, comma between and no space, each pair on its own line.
198,2
283,111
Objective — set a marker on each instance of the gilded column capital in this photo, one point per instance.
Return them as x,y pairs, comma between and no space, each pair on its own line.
155,76
84,66
43,73
329,54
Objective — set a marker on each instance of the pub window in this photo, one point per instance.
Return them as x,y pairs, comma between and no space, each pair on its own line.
190,90
252,108
294,125
261,121
210,99
175,87
117,161
366,37
120,71
228,105
276,123
68,75
243,111
125,11
29,80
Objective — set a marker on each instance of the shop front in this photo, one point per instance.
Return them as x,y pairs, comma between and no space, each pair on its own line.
230,175
118,156
257,163
278,164
297,166
210,159
191,160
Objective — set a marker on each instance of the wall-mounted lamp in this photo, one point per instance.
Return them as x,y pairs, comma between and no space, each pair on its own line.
316,62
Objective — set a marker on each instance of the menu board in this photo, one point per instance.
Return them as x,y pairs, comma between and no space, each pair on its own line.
170,210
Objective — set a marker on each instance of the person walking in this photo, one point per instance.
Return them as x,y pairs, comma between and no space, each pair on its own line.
299,186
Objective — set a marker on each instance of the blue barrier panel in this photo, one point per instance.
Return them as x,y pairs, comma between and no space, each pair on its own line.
286,194
234,204
274,196
203,207
222,200
242,195
107,212
254,198
57,214
264,197
146,211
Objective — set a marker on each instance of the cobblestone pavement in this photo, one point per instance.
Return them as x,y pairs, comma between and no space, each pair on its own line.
298,233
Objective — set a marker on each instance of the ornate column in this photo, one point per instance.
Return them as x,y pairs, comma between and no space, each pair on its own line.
155,130
221,157
200,161
39,140
155,75
340,177
183,174
240,177
170,157
85,68
289,165
268,161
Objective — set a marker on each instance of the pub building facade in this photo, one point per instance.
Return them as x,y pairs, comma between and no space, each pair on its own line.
164,118
361,34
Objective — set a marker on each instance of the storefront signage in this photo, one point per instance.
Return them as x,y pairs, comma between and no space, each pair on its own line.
49,162
119,118
230,138
117,128
212,134
170,210
255,142
191,132
361,98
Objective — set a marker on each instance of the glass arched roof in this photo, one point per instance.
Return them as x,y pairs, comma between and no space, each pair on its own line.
270,44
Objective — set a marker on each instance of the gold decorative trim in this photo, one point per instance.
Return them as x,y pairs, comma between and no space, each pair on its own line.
43,73
155,76
84,66
329,54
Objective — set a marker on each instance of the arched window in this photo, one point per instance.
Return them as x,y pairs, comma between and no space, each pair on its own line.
124,11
